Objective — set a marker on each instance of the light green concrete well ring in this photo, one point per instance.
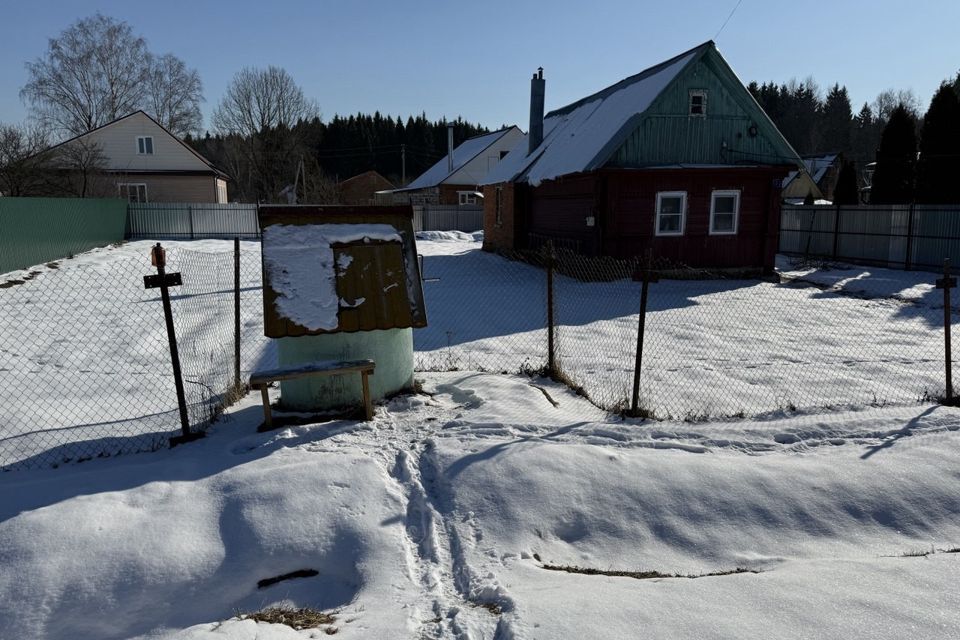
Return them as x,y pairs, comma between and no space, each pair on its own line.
390,349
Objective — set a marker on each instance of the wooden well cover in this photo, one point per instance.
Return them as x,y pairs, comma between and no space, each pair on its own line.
339,269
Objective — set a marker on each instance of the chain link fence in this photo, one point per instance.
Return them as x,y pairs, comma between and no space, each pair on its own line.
84,355
714,345
85,364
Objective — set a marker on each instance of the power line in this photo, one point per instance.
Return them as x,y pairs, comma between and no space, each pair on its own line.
737,6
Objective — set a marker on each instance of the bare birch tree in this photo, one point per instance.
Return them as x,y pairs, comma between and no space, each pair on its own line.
259,114
98,70
22,160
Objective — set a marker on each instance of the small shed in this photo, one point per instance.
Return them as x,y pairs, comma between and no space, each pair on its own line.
341,283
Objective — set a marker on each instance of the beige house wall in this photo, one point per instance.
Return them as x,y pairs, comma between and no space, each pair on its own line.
118,141
173,188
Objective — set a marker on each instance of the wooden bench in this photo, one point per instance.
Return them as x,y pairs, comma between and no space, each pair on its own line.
262,379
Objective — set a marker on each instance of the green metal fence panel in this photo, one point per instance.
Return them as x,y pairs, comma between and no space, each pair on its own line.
38,230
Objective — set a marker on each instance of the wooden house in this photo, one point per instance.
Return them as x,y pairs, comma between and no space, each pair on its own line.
455,179
818,181
679,159
362,188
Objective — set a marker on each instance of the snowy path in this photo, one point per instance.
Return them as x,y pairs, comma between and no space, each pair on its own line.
435,521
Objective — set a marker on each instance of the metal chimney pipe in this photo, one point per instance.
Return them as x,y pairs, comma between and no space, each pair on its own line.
537,93
450,148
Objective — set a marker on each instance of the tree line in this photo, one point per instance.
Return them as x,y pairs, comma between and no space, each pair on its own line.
267,134
890,132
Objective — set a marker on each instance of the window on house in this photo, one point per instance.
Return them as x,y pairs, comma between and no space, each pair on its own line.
503,154
724,211
499,204
671,211
133,192
145,145
467,197
698,102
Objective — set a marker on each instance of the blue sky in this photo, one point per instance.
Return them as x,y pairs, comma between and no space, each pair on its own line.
474,59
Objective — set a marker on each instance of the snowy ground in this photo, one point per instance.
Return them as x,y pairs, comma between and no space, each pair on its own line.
435,521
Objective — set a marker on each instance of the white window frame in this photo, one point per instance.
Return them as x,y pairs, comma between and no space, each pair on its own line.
683,212
725,193
123,189
465,198
142,144
702,93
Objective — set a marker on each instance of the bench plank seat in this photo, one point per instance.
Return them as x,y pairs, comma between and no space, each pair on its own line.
262,379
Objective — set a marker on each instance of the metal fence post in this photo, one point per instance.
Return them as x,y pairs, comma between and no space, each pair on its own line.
908,259
164,281
551,328
190,212
647,276
836,231
946,283
236,312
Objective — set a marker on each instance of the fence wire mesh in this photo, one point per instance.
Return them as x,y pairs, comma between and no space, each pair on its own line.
485,312
84,355
85,364
715,345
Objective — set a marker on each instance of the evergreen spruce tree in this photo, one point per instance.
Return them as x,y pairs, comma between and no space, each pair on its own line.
847,191
837,119
939,164
893,179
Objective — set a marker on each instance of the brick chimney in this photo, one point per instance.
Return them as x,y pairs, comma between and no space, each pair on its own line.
537,92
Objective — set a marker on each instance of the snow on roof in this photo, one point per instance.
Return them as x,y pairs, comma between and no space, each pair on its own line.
817,166
581,136
467,151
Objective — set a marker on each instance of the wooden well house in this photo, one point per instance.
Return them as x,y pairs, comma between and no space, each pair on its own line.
341,285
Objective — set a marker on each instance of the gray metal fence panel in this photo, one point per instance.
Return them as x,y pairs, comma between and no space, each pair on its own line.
874,234
191,220
896,236
432,217
807,230
936,235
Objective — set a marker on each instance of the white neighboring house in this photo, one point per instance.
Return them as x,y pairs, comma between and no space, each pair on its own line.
147,163
454,179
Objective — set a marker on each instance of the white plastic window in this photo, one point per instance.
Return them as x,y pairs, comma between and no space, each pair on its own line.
724,212
671,213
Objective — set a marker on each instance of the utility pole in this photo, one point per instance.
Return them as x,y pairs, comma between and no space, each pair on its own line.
403,165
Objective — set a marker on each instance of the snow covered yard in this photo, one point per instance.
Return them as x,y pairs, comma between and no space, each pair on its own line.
437,520
501,506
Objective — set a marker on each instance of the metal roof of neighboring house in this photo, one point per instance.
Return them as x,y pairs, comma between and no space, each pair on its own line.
818,165
463,154
582,136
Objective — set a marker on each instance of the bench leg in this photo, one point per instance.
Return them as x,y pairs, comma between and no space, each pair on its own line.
267,417
367,405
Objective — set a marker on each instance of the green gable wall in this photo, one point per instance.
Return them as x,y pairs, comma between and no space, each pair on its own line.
667,135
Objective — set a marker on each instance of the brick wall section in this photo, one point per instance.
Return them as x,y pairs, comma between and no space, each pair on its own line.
499,236
449,195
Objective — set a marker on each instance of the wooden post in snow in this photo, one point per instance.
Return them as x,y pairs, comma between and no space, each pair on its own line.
946,283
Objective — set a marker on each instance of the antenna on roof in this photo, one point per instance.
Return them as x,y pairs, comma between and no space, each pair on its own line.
737,6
